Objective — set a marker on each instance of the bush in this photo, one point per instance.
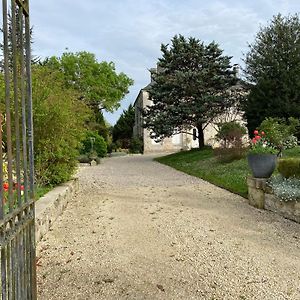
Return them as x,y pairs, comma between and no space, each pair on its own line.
84,159
94,142
59,119
230,134
136,145
227,155
281,133
289,167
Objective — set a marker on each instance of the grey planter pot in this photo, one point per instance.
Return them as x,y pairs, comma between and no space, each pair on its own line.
262,165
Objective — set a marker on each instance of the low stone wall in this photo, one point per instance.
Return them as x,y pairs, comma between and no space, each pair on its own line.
288,209
261,196
49,207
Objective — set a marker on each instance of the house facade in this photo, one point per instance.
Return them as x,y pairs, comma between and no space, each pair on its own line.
178,142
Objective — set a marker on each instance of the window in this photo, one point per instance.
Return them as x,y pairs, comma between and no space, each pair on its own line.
194,134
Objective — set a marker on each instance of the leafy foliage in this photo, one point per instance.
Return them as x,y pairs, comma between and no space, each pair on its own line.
136,145
289,167
230,134
261,144
94,142
273,67
99,84
59,120
287,189
97,123
281,132
123,129
190,87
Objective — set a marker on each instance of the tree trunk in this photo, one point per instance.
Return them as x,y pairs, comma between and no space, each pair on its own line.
200,136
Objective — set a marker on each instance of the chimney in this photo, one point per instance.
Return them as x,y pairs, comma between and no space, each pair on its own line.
152,72
236,70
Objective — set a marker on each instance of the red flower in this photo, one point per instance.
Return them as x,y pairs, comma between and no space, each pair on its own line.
5,186
254,140
258,137
255,132
262,133
22,187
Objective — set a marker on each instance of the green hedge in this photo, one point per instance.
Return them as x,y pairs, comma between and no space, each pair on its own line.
59,126
289,167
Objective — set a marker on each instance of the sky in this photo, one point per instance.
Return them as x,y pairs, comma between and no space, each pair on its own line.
130,32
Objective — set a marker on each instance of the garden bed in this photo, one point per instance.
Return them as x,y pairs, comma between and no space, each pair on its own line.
261,196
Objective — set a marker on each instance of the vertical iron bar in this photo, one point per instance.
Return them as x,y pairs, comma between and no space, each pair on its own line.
16,98
32,258
9,271
13,260
3,266
31,158
23,104
7,104
29,262
29,104
2,208
26,265
22,262
17,260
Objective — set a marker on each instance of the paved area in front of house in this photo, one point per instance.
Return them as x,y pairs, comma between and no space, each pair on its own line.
141,230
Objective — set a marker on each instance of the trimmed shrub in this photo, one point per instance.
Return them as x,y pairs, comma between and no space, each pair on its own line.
94,142
84,159
136,145
230,134
289,167
227,155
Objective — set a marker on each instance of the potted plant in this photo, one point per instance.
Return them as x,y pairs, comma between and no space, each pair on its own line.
262,156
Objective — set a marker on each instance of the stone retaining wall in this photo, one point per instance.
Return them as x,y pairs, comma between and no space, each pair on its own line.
261,196
49,207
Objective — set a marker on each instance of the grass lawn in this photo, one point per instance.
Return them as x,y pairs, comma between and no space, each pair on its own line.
42,190
231,176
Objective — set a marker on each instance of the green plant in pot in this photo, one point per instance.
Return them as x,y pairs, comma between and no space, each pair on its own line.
274,137
262,156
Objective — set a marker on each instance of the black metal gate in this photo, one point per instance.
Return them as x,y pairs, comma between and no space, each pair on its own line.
17,231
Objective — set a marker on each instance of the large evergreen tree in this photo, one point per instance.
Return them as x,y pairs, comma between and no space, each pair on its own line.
273,68
123,129
190,88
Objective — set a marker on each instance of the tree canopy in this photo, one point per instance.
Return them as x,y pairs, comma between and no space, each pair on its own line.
123,129
273,68
190,87
59,126
98,83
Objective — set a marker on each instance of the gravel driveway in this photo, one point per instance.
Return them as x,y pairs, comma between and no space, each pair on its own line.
141,230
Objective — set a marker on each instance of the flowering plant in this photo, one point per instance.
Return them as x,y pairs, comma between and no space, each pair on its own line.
261,145
15,191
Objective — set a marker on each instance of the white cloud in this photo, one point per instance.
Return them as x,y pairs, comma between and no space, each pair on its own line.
129,32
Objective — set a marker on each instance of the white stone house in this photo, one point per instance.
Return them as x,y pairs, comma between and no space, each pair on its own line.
181,141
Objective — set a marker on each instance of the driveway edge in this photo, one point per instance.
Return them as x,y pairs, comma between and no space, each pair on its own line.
49,207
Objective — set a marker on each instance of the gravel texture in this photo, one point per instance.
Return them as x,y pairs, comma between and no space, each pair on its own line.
141,230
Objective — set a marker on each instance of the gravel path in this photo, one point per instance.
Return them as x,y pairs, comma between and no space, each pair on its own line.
141,230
